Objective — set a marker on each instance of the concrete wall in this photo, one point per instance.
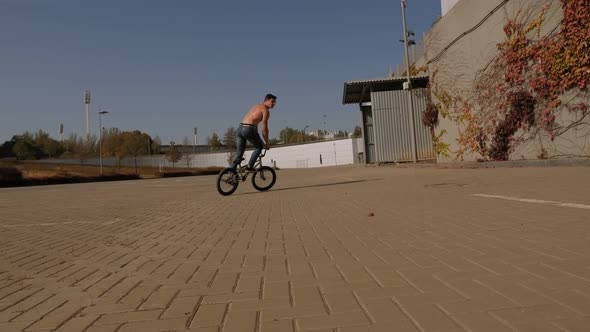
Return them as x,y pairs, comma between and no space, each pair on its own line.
456,70
339,152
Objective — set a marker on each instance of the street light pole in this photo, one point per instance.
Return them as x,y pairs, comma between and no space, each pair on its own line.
100,113
409,90
195,145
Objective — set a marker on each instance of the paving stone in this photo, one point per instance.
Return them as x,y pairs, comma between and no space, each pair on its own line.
304,256
209,315
357,318
131,316
240,321
174,324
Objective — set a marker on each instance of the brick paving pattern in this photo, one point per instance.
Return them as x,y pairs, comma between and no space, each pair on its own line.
343,249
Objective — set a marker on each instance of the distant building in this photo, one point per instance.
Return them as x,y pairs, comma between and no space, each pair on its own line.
317,132
340,134
326,135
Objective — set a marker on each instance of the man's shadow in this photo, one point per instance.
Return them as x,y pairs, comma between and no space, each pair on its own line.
312,186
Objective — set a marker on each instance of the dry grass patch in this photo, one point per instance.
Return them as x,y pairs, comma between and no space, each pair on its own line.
26,173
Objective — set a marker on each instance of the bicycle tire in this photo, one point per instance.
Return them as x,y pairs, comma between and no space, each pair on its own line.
265,173
227,176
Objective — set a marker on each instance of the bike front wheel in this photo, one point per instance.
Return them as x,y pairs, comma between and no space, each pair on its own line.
227,181
264,178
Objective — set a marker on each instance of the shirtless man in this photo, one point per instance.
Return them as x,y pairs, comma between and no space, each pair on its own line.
248,131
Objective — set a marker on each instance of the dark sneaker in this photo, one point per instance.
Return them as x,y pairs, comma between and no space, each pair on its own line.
231,179
249,168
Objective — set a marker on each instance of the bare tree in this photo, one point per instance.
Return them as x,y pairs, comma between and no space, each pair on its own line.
356,133
136,143
214,142
173,155
229,138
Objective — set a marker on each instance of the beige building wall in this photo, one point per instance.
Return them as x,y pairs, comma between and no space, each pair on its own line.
456,68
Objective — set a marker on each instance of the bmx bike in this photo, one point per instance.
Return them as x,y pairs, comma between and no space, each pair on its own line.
263,177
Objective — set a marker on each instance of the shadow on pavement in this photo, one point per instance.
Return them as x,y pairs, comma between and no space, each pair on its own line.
312,186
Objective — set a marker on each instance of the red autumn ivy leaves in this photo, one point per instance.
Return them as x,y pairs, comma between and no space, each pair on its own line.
532,72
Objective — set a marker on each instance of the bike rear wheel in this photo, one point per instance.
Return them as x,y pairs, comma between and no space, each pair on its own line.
227,181
264,178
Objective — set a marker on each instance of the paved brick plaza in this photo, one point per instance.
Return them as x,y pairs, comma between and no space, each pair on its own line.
344,249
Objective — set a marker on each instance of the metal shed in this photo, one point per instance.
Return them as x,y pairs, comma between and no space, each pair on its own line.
385,118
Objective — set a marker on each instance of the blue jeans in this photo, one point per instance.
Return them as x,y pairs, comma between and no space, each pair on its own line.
250,134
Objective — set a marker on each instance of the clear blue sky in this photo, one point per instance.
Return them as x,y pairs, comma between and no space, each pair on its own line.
164,67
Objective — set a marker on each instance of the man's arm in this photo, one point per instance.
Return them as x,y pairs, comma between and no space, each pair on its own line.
265,116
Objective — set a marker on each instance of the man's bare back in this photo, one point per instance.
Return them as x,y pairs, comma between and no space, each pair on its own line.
260,113
256,114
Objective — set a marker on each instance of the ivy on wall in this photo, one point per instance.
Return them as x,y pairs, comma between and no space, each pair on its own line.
518,94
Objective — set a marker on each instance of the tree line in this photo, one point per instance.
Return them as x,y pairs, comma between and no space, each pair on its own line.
115,143
122,144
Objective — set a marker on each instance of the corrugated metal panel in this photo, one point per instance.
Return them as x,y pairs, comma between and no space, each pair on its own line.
386,79
369,136
392,126
358,91
369,141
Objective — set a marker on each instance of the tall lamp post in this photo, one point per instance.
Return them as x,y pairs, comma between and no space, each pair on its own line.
100,113
195,145
409,88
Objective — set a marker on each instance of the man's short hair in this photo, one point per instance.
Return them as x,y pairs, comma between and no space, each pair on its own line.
270,96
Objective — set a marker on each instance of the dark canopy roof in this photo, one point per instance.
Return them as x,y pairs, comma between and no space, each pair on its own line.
359,91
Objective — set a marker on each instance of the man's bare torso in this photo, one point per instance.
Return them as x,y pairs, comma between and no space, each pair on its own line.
255,115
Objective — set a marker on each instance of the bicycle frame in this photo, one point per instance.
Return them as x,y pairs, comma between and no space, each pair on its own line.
243,172
263,177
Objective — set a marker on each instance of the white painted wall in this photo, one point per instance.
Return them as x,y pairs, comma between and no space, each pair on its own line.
334,153
446,5
339,152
